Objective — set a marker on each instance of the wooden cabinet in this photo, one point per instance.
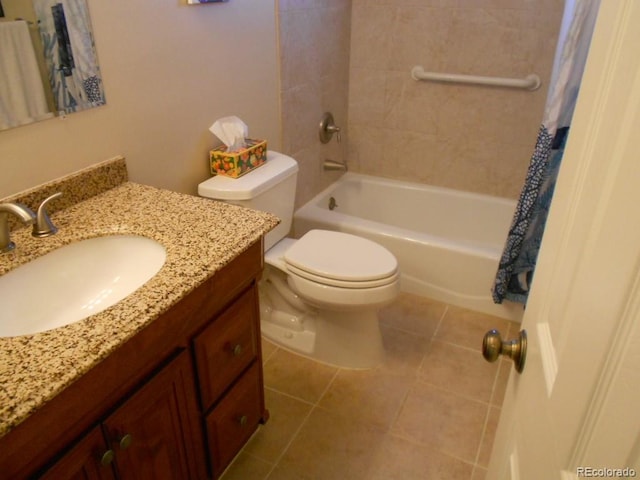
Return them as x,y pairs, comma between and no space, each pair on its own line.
153,432
176,401
88,460
233,421
149,436
227,353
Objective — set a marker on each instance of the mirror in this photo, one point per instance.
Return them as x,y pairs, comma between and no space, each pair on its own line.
48,62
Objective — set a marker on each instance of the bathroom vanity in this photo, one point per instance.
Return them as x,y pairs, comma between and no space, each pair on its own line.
165,384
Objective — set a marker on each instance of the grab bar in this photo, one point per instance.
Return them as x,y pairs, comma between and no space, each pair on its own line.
531,82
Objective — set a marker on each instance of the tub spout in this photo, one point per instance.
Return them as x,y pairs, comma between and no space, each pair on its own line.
333,165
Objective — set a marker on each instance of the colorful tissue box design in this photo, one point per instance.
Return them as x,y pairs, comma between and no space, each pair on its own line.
236,164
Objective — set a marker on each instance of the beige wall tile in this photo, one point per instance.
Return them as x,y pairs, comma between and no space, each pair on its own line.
482,138
314,56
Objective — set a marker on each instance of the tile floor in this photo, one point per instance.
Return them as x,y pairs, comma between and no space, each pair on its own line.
429,412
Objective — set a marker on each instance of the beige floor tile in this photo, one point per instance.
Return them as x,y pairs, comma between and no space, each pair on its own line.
479,473
329,448
420,415
368,396
400,459
404,351
459,370
246,467
488,437
413,314
268,349
286,415
446,421
504,371
467,328
287,473
297,376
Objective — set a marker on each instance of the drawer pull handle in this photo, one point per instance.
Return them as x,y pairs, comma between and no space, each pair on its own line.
242,420
107,458
125,442
237,350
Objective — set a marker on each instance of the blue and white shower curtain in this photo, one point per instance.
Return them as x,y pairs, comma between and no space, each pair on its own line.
517,265
74,74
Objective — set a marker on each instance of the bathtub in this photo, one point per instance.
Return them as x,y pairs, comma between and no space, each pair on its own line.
447,242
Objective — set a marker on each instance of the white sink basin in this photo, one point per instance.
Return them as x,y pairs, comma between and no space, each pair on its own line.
75,281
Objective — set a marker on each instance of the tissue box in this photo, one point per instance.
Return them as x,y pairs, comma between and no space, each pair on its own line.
236,164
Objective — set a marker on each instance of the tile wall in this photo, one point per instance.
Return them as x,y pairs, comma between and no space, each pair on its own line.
470,138
314,76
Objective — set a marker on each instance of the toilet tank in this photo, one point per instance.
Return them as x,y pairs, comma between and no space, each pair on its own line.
269,188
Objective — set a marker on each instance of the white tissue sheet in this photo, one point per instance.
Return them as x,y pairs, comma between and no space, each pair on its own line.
231,131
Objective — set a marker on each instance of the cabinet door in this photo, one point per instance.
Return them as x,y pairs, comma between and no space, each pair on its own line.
155,434
88,460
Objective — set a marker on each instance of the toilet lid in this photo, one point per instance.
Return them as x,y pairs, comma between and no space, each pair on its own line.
341,256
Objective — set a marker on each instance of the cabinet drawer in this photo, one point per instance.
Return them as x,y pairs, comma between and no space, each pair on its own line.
235,418
226,347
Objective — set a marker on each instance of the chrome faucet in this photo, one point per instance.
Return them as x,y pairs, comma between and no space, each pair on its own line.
24,213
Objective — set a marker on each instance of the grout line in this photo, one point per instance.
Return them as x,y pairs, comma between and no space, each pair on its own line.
291,440
444,314
314,406
293,397
457,394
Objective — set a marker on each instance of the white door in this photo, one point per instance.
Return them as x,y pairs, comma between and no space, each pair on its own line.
575,409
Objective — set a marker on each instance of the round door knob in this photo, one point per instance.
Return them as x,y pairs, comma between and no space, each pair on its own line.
493,346
243,420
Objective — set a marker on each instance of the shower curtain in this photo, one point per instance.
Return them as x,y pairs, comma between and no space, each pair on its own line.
65,29
22,98
517,265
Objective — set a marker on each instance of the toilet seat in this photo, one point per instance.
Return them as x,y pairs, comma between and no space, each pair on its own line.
341,260
332,282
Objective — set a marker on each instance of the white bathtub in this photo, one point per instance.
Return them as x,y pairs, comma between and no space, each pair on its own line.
448,243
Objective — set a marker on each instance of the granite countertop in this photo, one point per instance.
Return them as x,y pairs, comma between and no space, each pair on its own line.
200,237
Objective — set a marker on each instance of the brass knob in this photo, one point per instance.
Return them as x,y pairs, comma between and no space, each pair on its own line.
107,458
125,442
242,420
493,346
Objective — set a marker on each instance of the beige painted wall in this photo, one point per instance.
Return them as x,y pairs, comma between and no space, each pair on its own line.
169,70
314,58
470,138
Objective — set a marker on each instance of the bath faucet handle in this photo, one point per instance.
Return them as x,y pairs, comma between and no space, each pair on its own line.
43,226
328,128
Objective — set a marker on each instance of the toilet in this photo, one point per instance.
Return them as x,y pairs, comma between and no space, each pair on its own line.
320,294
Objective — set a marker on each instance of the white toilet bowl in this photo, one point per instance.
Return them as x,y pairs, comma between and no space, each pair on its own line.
319,295
322,302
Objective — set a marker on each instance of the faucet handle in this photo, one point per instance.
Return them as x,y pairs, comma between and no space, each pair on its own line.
43,226
327,128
